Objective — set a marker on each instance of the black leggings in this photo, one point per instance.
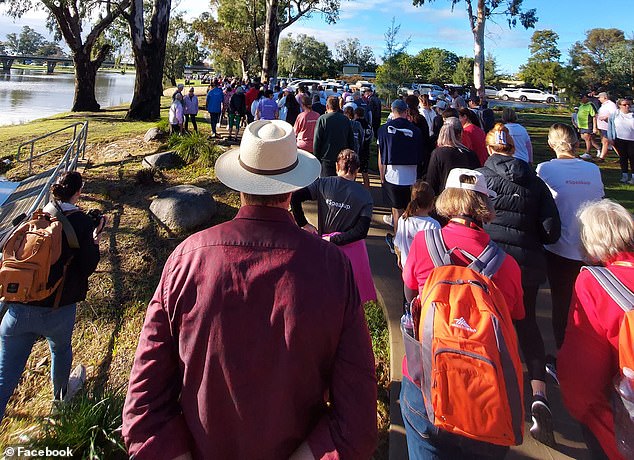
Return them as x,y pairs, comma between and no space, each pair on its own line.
530,338
562,274
192,117
626,154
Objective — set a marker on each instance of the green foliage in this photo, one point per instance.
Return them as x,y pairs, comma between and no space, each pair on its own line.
304,56
350,51
378,331
439,64
543,67
236,36
391,75
195,147
393,46
30,43
590,56
463,74
181,49
163,124
89,425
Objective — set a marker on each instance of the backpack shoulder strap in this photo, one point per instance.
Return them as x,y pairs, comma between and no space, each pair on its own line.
436,247
55,210
623,297
489,261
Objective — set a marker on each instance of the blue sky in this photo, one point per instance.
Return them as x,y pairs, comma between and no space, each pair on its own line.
434,25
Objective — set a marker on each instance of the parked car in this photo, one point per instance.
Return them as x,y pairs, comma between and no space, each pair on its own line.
307,82
527,94
364,84
423,88
490,91
332,89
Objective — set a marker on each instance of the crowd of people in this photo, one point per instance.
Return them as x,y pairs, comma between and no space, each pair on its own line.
248,351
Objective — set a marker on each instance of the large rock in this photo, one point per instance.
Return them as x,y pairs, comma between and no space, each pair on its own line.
184,208
163,160
153,134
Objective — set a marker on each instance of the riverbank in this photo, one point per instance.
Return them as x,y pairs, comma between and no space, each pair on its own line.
71,68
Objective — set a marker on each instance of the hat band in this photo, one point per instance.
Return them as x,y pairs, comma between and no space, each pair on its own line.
268,172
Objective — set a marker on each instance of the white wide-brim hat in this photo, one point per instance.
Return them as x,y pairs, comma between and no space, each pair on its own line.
268,161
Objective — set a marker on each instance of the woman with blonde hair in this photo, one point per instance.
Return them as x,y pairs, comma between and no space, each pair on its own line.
589,357
572,182
526,219
466,202
449,153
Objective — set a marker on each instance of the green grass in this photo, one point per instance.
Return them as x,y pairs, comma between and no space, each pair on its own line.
195,147
89,425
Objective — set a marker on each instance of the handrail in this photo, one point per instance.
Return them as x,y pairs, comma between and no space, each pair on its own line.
75,148
32,156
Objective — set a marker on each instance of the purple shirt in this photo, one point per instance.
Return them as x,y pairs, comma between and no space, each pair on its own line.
268,109
255,347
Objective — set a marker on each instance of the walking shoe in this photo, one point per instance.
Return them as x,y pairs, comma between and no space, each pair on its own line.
598,160
389,239
586,156
623,180
75,382
542,428
631,181
387,218
551,367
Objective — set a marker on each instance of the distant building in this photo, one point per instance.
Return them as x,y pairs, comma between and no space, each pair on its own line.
351,69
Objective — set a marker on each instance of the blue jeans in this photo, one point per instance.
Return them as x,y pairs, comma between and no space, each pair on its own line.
427,442
21,326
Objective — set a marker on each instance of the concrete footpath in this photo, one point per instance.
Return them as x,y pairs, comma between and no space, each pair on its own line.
387,279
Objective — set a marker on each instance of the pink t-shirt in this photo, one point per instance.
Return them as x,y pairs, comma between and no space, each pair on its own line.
305,130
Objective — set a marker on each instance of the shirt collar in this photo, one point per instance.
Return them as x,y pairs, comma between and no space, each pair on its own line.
265,213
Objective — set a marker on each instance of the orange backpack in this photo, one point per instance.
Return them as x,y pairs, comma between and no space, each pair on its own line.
471,370
28,255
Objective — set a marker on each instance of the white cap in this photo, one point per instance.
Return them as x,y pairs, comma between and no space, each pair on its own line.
480,186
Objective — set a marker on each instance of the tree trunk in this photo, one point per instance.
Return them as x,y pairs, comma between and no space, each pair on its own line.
148,84
85,77
478,50
245,73
148,48
271,39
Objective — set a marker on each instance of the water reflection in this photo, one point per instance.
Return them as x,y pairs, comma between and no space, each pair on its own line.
26,95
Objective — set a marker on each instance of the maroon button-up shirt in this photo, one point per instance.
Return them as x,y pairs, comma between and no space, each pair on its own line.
255,326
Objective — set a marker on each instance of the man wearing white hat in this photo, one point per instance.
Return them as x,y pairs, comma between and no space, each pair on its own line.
255,343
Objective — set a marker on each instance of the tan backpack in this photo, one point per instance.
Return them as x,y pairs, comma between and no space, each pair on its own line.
30,252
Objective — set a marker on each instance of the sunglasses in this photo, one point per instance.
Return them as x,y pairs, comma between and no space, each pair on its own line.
626,105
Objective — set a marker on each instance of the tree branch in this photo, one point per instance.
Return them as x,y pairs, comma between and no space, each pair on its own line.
470,14
102,25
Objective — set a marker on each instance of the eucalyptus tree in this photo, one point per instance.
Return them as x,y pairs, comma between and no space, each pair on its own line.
80,24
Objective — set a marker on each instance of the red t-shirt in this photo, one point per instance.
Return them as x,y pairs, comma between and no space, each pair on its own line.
588,359
474,139
419,265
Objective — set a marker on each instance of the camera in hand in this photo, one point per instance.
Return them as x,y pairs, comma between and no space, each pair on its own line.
96,216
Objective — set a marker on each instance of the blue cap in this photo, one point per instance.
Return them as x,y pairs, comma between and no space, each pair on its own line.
399,105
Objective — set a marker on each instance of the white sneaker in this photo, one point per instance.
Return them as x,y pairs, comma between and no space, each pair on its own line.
631,181
75,382
387,218
586,156
623,180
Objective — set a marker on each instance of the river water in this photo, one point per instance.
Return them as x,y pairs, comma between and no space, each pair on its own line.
26,94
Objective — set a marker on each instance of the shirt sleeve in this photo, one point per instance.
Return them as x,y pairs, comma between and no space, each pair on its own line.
415,253
349,429
587,353
153,424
